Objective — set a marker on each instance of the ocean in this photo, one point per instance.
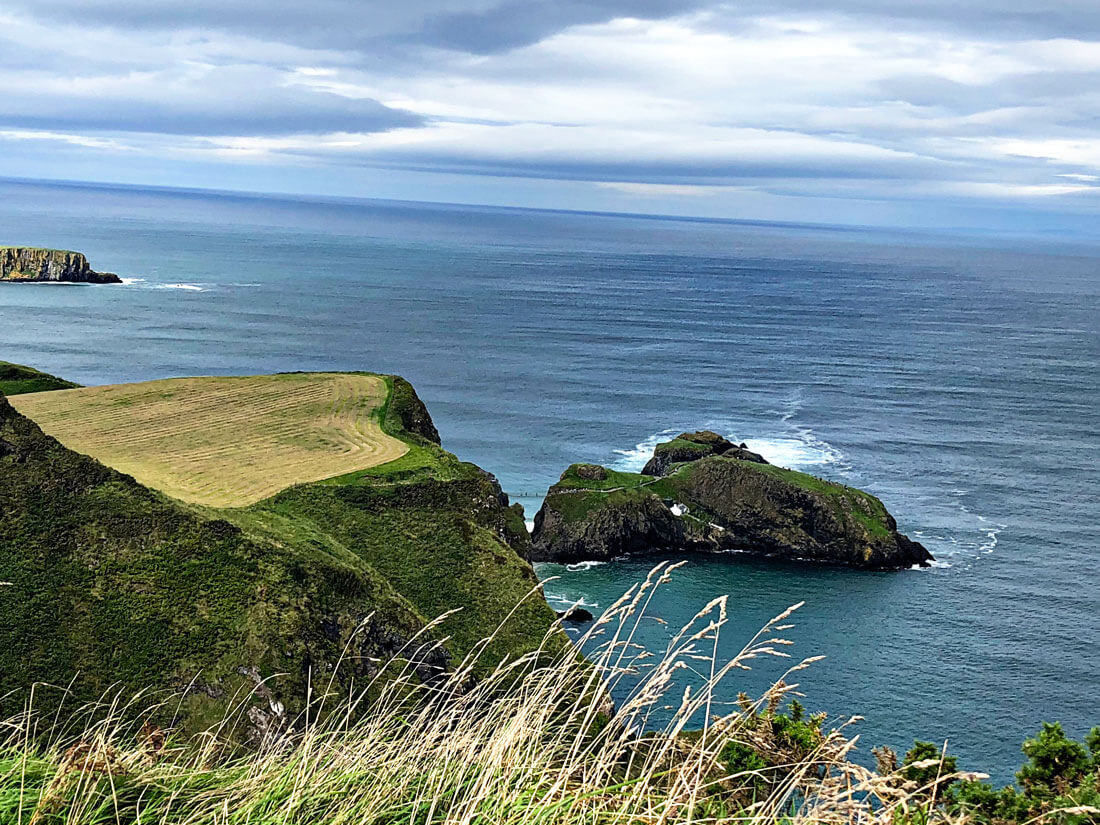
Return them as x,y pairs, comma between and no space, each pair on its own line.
954,376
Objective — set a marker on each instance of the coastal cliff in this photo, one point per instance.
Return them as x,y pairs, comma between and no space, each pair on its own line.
31,264
705,494
129,588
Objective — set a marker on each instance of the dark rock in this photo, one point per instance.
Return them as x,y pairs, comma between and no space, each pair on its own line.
693,447
619,527
576,615
590,472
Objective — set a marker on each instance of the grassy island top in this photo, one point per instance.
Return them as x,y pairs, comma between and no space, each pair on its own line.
224,441
578,493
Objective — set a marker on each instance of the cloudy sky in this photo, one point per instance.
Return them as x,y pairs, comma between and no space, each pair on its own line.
927,112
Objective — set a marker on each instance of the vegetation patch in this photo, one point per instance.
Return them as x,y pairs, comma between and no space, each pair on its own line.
865,508
533,744
682,445
574,478
15,379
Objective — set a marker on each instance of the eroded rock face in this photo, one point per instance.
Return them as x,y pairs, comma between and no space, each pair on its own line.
22,263
620,526
591,472
718,498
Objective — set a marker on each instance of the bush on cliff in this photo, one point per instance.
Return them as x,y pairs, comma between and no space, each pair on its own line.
1060,783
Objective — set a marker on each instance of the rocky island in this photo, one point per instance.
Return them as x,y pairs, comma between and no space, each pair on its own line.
27,264
701,492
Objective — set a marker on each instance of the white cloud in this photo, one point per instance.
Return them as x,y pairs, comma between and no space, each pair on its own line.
842,105
59,137
662,190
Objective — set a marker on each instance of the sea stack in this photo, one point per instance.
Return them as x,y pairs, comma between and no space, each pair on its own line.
28,264
702,493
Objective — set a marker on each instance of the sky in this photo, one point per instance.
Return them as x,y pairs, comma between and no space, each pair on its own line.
930,113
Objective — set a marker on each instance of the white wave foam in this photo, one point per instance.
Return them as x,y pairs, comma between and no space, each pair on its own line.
569,601
935,564
991,536
984,548
798,453
189,287
584,565
795,453
131,281
633,460
530,526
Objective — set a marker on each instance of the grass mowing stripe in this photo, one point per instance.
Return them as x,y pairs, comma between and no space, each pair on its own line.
225,442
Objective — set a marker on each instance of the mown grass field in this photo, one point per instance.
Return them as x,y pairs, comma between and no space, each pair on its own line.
224,441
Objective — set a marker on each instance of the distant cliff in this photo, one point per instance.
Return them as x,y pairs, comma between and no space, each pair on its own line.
24,263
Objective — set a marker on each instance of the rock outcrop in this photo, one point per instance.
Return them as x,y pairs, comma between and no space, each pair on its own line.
31,264
692,447
712,496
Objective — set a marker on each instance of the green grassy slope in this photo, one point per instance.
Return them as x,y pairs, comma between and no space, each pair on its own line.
438,529
121,584
114,582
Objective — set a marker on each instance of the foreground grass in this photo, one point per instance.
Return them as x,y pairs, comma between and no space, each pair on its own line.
534,742
226,441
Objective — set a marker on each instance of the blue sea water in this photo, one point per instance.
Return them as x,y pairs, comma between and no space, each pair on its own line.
957,378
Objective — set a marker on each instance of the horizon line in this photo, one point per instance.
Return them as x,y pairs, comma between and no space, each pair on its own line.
281,195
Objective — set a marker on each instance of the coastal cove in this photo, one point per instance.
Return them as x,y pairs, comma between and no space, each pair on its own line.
966,402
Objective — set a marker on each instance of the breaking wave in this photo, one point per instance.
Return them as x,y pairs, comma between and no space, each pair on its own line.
188,287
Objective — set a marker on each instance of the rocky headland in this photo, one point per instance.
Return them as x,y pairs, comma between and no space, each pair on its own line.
104,578
34,265
702,493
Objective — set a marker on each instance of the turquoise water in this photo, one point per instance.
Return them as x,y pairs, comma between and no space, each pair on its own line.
954,377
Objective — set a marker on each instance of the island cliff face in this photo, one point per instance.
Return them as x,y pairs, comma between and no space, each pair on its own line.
30,264
708,495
